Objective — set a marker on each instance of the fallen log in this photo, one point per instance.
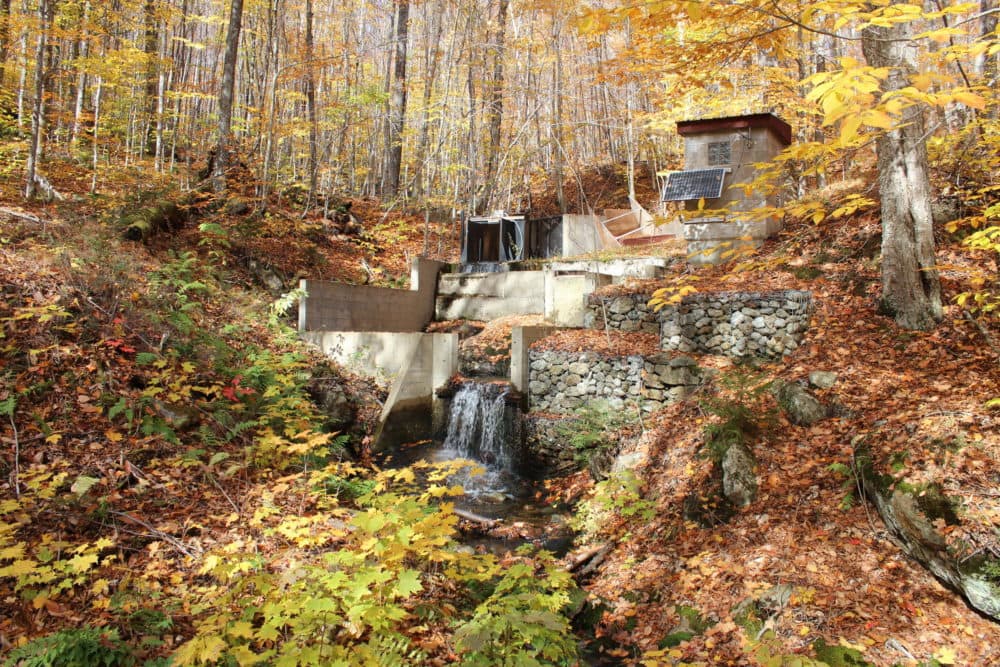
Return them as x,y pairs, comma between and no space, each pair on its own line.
140,225
589,560
20,215
166,214
476,518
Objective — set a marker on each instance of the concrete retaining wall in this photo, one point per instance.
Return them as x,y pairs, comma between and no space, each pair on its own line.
415,364
487,296
331,306
558,291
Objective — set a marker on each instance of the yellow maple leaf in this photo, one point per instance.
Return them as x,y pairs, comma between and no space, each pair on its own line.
945,655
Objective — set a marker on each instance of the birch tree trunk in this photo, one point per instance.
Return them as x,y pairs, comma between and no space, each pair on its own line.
38,104
81,81
911,291
991,65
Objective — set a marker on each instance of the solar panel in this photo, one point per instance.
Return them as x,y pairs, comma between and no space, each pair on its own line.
694,184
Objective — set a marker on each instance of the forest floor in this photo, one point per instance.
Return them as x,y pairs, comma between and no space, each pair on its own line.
89,396
916,398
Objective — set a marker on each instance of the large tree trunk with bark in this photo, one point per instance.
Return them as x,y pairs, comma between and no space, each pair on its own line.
397,100
313,164
4,37
494,112
226,91
911,292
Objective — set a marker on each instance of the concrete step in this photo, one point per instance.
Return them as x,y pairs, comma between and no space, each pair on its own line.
500,285
647,240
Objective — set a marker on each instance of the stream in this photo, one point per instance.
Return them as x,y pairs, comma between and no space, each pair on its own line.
482,426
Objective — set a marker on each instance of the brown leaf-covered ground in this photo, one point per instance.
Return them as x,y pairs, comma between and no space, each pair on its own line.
917,399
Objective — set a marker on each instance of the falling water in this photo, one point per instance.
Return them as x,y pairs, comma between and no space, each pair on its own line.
479,429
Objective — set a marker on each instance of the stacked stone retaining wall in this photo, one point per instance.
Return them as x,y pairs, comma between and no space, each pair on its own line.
625,312
734,324
737,324
562,381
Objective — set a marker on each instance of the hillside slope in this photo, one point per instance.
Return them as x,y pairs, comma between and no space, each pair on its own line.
808,558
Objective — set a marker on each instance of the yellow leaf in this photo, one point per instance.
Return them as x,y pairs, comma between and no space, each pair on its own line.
54,438
211,561
241,629
18,568
113,435
970,100
876,118
849,130
922,82
10,553
82,562
945,655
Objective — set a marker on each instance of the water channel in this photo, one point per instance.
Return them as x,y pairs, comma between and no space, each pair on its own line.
482,426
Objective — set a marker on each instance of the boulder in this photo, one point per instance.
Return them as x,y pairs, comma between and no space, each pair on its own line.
801,407
739,482
822,379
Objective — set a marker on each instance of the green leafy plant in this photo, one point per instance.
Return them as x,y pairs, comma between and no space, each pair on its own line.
620,495
595,430
741,411
348,597
849,485
522,622
77,647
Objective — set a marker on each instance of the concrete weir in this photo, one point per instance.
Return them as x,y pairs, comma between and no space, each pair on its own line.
379,332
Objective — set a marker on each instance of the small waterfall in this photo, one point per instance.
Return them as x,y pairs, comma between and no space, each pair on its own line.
480,429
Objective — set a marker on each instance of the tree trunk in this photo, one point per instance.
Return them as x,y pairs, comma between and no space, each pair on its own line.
4,37
494,112
95,153
312,167
151,39
226,90
911,292
991,66
81,81
397,101
38,104
432,58
557,114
